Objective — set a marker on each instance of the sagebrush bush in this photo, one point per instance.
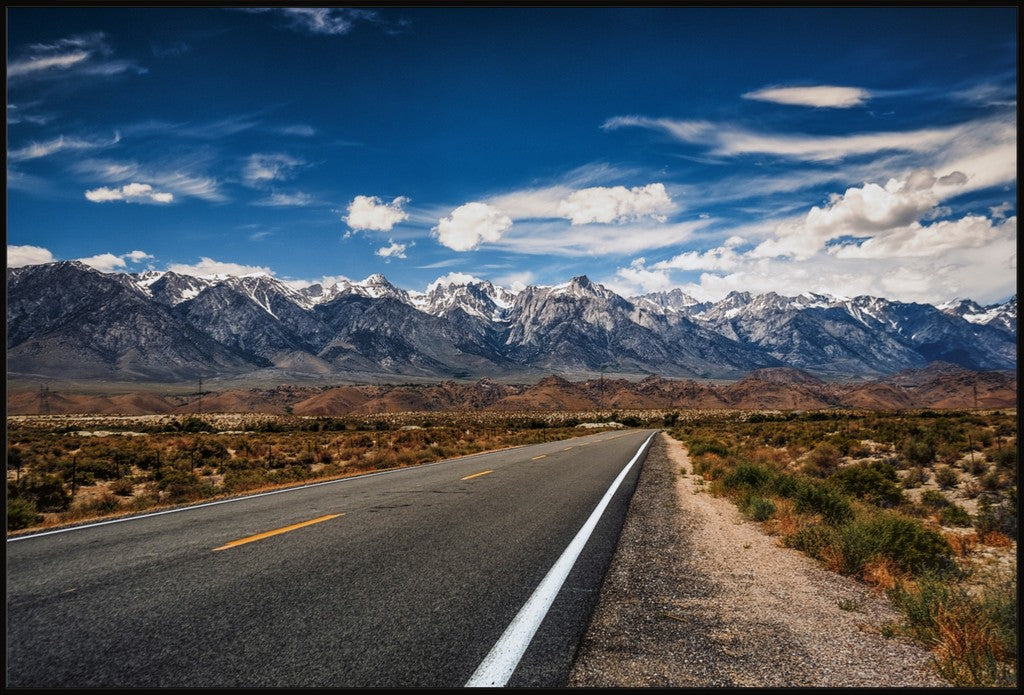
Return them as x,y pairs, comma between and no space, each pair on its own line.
818,498
946,477
822,461
21,513
875,483
955,515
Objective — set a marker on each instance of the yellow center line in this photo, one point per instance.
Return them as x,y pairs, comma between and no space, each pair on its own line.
568,448
477,475
538,457
268,534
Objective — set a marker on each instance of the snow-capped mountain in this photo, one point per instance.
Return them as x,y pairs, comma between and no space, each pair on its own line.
67,320
1002,316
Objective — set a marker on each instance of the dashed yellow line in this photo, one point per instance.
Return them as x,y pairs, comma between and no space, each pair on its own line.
568,448
275,532
477,475
538,457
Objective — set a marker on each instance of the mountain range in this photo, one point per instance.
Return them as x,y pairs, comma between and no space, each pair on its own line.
66,320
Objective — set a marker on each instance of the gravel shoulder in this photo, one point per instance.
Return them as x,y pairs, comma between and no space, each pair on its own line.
697,596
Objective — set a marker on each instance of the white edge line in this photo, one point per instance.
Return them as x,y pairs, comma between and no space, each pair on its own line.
499,664
258,494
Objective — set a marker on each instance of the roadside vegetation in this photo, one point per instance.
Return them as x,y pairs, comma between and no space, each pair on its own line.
64,469
921,505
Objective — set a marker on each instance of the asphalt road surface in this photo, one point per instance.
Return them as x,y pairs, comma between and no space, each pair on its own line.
405,578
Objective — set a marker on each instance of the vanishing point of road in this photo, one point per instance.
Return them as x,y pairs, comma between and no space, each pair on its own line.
476,571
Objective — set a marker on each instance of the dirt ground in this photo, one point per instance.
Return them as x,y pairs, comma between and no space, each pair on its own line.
699,597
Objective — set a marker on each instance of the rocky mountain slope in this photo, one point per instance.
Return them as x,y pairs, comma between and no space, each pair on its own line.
68,321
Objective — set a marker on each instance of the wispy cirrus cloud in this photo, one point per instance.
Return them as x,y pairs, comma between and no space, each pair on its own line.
79,55
726,140
327,21
263,168
61,143
820,96
179,178
298,199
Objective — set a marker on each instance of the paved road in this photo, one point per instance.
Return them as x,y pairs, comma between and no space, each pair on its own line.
411,584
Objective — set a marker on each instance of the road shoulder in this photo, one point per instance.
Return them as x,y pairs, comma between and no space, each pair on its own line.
696,596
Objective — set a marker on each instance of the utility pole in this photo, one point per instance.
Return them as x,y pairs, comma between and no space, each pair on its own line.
975,395
44,399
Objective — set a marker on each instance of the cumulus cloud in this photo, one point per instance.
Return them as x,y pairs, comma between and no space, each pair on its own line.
821,96
616,204
104,262
370,213
18,256
137,256
261,169
861,211
723,257
944,237
37,150
517,281
209,268
394,250
999,211
129,193
470,225
637,275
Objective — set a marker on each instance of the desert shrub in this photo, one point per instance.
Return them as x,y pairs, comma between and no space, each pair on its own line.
759,508
180,485
915,476
240,479
818,498
946,477
955,515
121,486
976,465
47,492
104,504
707,446
813,540
749,476
1006,458
911,545
996,515
21,513
919,451
822,461
934,499
992,480
974,635
872,482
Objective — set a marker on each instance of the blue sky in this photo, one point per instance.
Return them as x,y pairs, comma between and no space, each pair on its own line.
840,150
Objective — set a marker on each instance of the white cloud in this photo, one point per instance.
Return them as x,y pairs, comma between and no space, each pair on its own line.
263,168
395,250
723,257
728,141
129,193
284,200
325,20
637,275
517,281
176,177
822,96
104,262
532,203
372,214
453,278
944,237
82,54
616,204
209,268
37,150
861,212
558,238
137,256
18,256
470,225
999,211
38,64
